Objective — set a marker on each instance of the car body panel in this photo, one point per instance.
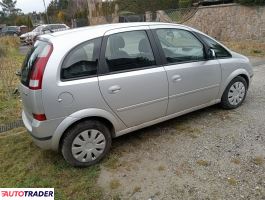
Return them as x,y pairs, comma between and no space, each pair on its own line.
143,96
147,96
204,87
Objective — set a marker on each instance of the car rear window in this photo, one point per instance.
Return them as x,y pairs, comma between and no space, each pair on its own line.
39,48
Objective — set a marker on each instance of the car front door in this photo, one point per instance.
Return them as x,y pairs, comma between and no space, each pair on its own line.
194,81
131,79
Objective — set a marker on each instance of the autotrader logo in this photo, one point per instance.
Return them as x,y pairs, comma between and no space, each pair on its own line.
27,193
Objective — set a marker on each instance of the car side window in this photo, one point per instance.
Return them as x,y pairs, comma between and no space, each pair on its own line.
180,46
54,27
128,51
220,52
82,61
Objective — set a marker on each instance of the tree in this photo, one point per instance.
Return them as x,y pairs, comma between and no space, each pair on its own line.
141,6
57,10
251,2
24,20
9,13
9,7
61,16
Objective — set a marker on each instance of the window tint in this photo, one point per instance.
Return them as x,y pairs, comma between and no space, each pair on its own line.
81,61
180,45
129,50
220,52
61,26
54,27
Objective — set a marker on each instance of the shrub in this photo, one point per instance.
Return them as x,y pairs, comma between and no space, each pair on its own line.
185,3
251,2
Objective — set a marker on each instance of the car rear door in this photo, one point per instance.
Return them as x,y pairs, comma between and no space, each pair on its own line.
132,80
194,81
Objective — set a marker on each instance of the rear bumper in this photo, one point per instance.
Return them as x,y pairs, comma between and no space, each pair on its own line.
41,132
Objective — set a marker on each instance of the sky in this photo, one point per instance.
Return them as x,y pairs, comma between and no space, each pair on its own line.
31,5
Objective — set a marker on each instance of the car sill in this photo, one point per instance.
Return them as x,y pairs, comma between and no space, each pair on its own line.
134,128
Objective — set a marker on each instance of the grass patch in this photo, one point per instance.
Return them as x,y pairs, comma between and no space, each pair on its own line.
161,168
248,48
136,189
10,62
235,161
114,184
10,110
203,163
112,161
232,181
116,197
24,165
258,160
192,132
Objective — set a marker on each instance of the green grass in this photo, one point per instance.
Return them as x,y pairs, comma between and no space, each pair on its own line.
25,165
10,110
10,61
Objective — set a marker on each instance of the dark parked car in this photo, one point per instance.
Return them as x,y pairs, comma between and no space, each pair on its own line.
10,30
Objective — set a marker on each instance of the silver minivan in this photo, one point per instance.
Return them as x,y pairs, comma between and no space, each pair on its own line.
80,88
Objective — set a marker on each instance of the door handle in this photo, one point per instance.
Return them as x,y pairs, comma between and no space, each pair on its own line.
114,89
176,78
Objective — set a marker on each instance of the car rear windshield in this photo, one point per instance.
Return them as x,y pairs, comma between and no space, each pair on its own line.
29,62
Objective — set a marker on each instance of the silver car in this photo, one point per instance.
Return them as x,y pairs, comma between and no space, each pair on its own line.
29,38
80,88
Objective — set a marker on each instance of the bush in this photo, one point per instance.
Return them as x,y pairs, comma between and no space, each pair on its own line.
251,2
185,3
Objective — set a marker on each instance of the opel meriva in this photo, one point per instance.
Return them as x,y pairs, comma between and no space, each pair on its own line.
80,88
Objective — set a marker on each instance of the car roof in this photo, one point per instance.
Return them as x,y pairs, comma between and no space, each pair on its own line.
44,25
91,32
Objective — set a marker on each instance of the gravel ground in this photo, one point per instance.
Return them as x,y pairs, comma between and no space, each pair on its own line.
207,154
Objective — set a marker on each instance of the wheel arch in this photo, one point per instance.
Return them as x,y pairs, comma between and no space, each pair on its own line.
239,72
88,114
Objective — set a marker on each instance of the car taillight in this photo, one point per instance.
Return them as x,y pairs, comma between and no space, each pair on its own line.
35,82
39,117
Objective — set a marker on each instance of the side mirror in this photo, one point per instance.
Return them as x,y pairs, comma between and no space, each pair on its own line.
211,54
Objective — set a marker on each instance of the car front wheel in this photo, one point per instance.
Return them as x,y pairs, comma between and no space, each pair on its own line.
86,143
235,93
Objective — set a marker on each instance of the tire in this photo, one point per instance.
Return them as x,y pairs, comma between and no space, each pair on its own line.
80,138
233,92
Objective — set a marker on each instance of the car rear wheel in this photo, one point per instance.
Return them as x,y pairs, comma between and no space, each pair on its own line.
86,143
235,93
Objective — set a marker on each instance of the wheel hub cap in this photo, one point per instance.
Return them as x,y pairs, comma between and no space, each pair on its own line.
88,145
236,93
